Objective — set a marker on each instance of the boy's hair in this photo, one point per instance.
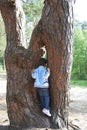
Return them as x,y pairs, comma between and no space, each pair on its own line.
42,61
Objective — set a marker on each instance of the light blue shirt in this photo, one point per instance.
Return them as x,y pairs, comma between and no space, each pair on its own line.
41,75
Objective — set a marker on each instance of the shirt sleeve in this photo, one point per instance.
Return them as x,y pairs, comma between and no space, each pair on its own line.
46,74
33,75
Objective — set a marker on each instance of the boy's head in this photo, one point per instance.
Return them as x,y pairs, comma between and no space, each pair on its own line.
43,61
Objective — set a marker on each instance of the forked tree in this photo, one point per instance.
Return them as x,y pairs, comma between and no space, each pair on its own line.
55,32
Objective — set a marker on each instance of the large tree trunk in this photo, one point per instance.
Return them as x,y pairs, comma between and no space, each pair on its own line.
55,31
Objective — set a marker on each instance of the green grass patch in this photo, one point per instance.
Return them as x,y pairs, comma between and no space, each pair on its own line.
80,83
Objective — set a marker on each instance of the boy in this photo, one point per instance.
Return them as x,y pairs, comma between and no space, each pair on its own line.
41,75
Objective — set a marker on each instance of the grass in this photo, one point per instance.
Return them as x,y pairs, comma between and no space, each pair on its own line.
80,83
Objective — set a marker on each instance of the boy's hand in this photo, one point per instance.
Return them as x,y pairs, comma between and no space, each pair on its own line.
48,69
32,71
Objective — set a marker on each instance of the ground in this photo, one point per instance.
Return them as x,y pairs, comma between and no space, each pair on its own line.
77,106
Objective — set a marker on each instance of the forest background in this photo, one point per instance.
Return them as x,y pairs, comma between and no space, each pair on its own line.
32,9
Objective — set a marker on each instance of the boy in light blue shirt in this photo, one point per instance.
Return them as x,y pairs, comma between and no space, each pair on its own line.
41,75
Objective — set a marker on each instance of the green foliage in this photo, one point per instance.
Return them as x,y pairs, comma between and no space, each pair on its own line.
2,37
2,43
1,64
33,10
79,70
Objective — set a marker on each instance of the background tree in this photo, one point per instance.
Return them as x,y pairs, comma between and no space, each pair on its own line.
2,43
33,10
79,70
54,31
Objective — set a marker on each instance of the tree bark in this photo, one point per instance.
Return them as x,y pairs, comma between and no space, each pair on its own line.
55,31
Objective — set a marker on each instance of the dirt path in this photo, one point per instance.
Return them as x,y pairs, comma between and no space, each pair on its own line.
3,108
78,105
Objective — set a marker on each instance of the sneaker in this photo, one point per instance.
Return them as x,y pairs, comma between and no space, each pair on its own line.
47,112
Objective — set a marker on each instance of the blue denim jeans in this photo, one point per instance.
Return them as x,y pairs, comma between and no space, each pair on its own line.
43,94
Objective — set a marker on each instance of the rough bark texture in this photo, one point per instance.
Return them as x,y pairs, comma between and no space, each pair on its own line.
55,31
